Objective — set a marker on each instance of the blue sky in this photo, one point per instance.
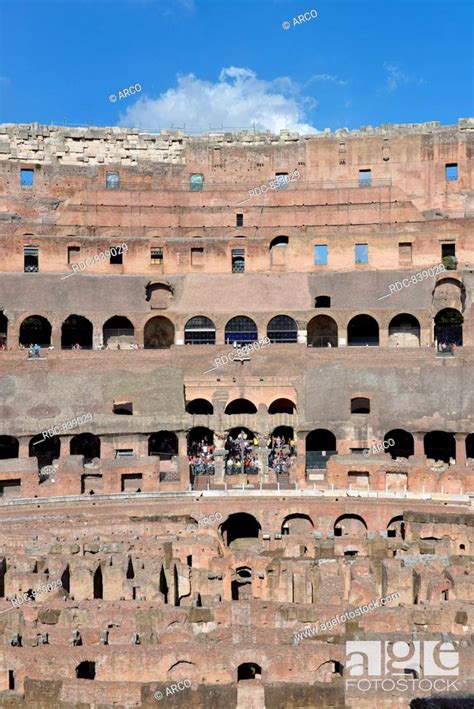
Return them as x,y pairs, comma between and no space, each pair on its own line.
204,63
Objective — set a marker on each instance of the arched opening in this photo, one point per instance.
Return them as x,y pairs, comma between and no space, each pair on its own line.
87,445
85,670
35,330
200,451
320,446
248,671
117,330
350,525
329,671
158,333
66,579
322,332
3,330
98,583
363,330
282,406
241,329
404,443
76,330
440,445
322,301
282,328
199,407
240,406
404,331
297,524
240,456
44,449
9,447
182,670
360,405
470,446
277,250
240,527
396,528
241,584
164,444
282,449
200,331
448,328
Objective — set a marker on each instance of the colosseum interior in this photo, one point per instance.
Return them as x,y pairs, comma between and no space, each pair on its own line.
287,325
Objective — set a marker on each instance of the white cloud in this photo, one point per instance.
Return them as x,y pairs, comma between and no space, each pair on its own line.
396,78
327,77
237,100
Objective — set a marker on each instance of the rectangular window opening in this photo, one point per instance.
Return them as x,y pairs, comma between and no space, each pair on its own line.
72,253
282,180
239,220
156,255
361,253
238,260
30,259
448,256
116,258
451,171
196,182
197,256
124,452
320,255
112,181
27,177
365,178
405,252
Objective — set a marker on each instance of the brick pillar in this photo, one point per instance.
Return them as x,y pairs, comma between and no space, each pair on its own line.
298,470
383,336
419,445
460,449
183,462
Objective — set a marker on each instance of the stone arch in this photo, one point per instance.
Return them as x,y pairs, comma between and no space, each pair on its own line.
404,331
297,523
117,330
240,406
449,292
282,406
9,447
440,445
35,329
85,444
182,669
320,446
396,527
327,671
404,443
350,525
158,333
278,248
363,330
240,526
249,671
241,584
45,450
159,294
448,327
322,331
76,329
199,407
282,328
199,330
3,329
241,329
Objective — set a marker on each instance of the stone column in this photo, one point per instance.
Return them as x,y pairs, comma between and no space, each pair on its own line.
183,462
419,445
219,454
460,449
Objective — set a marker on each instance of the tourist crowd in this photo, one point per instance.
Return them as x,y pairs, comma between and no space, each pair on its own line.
201,457
281,453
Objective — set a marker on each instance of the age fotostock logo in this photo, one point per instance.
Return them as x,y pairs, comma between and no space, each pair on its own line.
421,665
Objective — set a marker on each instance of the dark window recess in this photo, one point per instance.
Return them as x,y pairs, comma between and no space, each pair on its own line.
238,260
448,256
27,178
116,258
197,256
72,253
156,255
451,171
124,452
30,259
112,181
365,178
239,220
360,405
322,301
125,409
196,182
